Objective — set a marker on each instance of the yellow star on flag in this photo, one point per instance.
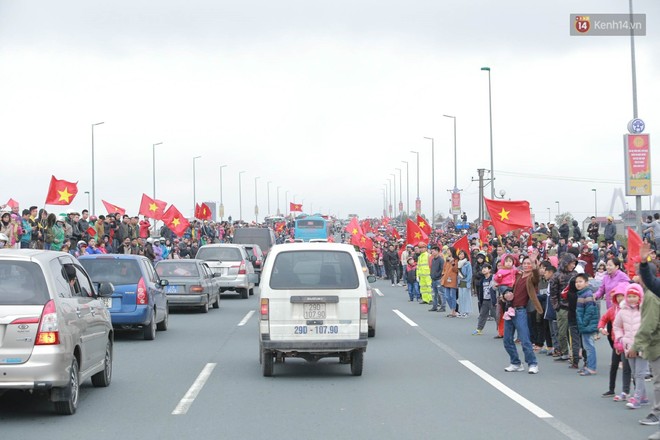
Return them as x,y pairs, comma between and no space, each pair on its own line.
355,231
504,214
418,235
65,195
153,207
362,239
422,224
176,221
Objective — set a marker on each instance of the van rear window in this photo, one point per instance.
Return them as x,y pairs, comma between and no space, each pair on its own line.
117,271
213,253
297,270
23,283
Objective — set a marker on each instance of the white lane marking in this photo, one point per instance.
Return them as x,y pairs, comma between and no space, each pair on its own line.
405,318
379,292
520,400
187,400
247,318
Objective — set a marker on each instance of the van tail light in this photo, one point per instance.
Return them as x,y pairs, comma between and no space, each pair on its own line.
264,309
142,297
197,289
364,308
241,268
49,329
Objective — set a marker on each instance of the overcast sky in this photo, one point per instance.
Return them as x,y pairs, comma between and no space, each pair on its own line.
322,98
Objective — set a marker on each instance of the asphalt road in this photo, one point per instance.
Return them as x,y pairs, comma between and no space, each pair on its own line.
201,379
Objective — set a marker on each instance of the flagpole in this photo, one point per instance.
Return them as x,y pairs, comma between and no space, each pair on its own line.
93,177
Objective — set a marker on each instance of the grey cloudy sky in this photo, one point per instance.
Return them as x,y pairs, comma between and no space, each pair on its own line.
322,98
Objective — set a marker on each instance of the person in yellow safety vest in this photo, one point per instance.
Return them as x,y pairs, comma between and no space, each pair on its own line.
424,274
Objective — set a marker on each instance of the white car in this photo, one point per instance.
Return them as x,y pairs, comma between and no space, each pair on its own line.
314,304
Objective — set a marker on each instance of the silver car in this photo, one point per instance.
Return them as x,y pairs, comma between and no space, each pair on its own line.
232,265
55,329
191,284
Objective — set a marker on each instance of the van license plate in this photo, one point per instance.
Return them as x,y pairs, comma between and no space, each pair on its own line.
107,302
314,310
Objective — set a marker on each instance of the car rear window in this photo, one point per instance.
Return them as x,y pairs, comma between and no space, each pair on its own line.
116,271
22,283
219,254
177,269
313,270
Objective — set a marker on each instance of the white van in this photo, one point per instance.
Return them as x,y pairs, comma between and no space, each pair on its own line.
313,305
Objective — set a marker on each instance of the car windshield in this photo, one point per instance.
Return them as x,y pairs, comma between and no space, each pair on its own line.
313,270
23,283
177,269
116,271
219,253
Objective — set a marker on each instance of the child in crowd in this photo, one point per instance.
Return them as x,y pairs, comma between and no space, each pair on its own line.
605,327
411,280
550,316
506,275
587,315
574,341
599,276
507,304
626,324
489,299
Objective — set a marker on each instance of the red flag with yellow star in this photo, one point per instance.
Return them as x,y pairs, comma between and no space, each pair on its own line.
203,212
414,233
353,227
152,208
113,208
295,207
175,220
61,192
363,242
509,215
421,222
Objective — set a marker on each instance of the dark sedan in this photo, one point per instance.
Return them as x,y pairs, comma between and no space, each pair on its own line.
191,284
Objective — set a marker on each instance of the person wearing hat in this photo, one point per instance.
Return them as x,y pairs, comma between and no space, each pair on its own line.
6,226
424,274
58,231
610,230
407,252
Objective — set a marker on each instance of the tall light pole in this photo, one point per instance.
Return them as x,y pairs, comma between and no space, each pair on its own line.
394,192
93,176
455,189
595,202
286,201
490,118
240,197
256,203
638,199
194,185
153,160
407,188
432,180
389,210
384,202
418,203
222,206
278,200
558,211
268,197
400,205
385,187
88,204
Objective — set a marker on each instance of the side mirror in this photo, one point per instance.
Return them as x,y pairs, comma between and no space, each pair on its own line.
164,283
106,289
371,278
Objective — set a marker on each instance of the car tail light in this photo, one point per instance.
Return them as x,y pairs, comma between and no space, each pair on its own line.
49,329
31,320
264,308
142,297
241,268
364,308
197,289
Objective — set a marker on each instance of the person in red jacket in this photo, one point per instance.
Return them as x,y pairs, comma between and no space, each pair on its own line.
605,328
144,227
588,258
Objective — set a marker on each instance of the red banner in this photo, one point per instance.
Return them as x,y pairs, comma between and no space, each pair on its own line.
638,164
456,203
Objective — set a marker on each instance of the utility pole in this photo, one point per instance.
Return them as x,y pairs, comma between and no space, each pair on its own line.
482,212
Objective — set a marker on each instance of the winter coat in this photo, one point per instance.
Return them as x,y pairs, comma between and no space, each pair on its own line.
423,268
411,273
648,277
629,319
449,275
610,314
587,312
505,277
592,231
564,231
577,234
610,232
58,237
465,273
647,339
559,281
437,264
144,228
391,259
609,283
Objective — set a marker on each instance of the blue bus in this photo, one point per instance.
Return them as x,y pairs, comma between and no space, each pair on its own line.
312,227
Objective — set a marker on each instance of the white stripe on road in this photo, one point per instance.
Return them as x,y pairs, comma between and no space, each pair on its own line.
379,292
193,391
247,318
405,318
520,400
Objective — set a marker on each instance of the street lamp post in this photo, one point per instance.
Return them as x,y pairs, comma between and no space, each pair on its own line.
153,160
286,201
194,185
88,204
384,202
222,206
278,200
558,211
268,197
256,203
595,202
432,179
93,176
400,205
393,192
407,188
240,197
418,202
455,190
490,118
389,208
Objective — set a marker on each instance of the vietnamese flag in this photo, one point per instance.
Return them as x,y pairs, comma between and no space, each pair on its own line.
279,226
634,246
462,245
372,256
174,220
61,192
486,223
91,231
353,227
365,225
113,208
483,235
203,212
152,208
293,207
12,203
414,234
362,241
423,225
509,215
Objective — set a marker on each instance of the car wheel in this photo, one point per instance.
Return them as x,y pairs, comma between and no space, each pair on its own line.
216,304
149,331
103,378
205,307
252,291
357,362
69,406
164,324
267,363
244,293
372,332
